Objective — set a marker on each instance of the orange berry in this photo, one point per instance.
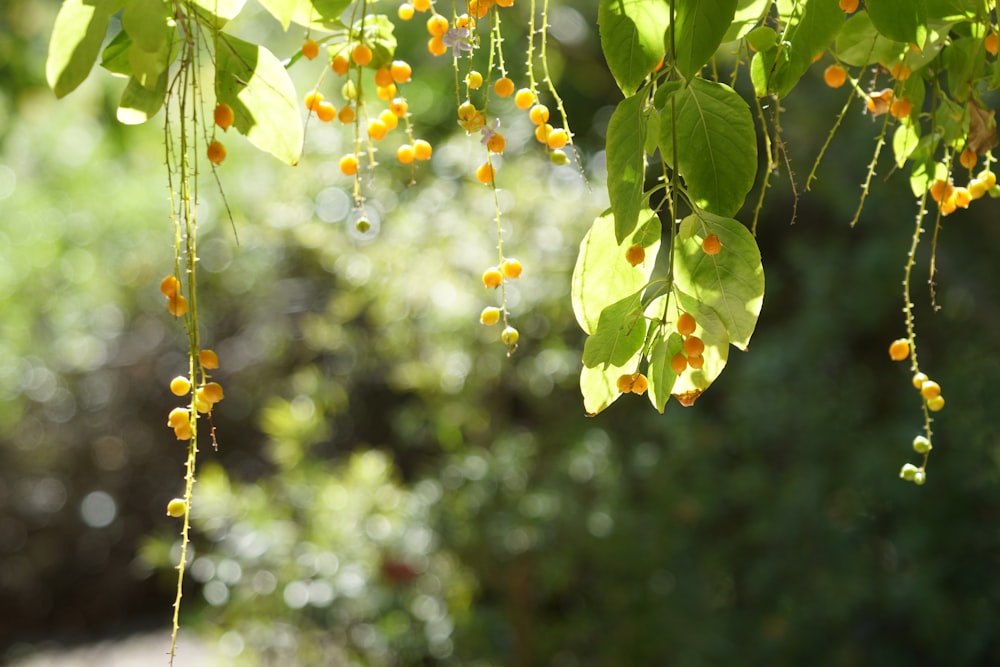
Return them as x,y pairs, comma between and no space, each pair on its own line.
340,64
386,93
686,324
639,384
436,46
635,255
930,389
678,363
849,6
948,206
383,77
400,71
361,55
399,107
177,305
941,190
170,286
539,114
693,346
405,154
224,116
437,25
962,197
422,149
377,129
310,49
492,277
624,383
325,111
899,349
211,392
968,158
992,43
900,108
880,102
711,245
485,173
346,114
835,76
208,359
180,386
505,3
388,119
405,11
422,5
504,87
557,138
216,152
511,268
178,417
349,165
465,21
696,361
524,99
496,143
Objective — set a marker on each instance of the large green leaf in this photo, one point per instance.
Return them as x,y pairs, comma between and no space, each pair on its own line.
223,11
860,44
599,385
901,20
712,331
145,21
115,55
75,42
731,282
147,66
716,144
810,27
311,13
700,27
141,102
620,333
632,38
748,14
253,82
602,275
626,163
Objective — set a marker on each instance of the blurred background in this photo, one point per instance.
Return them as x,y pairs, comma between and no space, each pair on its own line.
390,489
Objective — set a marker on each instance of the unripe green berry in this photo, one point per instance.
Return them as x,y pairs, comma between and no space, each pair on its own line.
921,445
909,472
176,508
510,336
363,225
558,157
919,477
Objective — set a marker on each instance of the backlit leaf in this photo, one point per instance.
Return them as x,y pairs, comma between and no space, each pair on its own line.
75,42
626,163
700,27
632,34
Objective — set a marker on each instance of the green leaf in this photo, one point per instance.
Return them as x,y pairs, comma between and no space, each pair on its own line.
140,103
145,21
602,275
313,14
690,384
860,44
620,333
905,140
115,57
222,11
811,26
717,144
700,27
659,373
964,60
901,20
626,163
762,38
748,14
147,66
76,40
255,84
731,282
599,385
632,38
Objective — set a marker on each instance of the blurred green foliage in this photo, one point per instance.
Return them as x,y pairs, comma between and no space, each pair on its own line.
391,489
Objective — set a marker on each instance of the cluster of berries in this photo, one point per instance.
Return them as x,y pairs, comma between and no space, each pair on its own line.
493,277
692,348
206,395
949,197
899,350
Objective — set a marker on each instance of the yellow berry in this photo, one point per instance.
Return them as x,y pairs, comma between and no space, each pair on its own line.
474,80
176,508
386,93
539,114
178,416
377,129
349,165
490,316
941,190
492,277
625,383
422,149
919,379
899,349
224,116
183,431
436,46
310,49
510,336
935,404
542,133
405,12
400,71
388,119
422,5
504,87
524,99
930,389
346,115
962,197
180,386
496,143
325,111
988,178
977,188
216,152
557,138
639,384
399,107
485,173
437,25
405,154
313,99
211,392
511,268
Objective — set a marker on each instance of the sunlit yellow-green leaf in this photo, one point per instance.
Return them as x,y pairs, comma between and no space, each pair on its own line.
75,42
